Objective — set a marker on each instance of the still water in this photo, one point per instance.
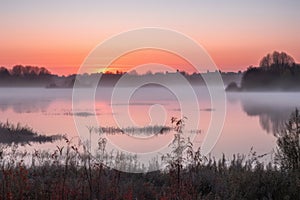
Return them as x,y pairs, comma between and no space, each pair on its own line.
252,119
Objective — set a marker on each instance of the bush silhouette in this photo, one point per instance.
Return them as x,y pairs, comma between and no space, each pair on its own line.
288,152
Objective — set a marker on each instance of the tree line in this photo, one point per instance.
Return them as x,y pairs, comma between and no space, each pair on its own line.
277,71
23,76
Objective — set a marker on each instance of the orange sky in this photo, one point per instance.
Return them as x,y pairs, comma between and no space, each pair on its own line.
135,59
59,35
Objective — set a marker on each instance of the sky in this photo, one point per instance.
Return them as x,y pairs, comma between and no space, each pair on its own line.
59,35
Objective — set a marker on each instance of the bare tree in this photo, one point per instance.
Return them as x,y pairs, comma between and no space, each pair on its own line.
277,59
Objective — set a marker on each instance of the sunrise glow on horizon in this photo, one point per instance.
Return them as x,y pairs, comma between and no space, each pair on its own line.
60,35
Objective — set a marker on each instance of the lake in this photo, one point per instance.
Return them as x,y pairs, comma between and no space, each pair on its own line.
251,120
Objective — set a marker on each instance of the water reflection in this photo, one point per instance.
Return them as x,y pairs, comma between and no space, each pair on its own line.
273,109
27,105
30,100
249,116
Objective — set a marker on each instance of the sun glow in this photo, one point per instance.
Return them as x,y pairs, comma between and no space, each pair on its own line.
134,59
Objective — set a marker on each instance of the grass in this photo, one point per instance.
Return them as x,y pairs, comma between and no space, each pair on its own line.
72,172
146,130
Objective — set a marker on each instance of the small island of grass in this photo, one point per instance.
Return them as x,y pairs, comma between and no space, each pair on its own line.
17,134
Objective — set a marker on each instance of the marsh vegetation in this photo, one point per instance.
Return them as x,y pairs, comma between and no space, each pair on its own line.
18,134
72,172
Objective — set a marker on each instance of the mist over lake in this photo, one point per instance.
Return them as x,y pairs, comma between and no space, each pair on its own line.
252,119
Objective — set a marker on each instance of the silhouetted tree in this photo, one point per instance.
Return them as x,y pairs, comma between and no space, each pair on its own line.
20,70
276,71
277,59
17,70
232,87
149,72
4,72
133,73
